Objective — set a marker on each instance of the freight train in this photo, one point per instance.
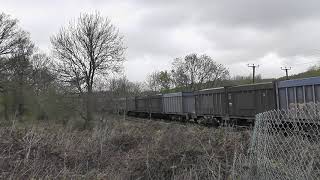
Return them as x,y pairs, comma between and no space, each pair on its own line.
224,105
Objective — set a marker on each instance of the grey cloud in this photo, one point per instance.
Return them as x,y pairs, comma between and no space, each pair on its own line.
265,13
258,27
232,31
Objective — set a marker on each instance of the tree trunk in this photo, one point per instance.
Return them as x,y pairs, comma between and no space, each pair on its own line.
6,107
89,115
6,113
20,98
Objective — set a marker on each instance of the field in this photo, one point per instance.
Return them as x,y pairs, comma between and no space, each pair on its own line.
120,149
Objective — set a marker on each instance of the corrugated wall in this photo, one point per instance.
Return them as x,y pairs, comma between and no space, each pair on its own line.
298,91
178,103
172,105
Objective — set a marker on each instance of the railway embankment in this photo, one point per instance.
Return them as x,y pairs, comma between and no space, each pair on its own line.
119,149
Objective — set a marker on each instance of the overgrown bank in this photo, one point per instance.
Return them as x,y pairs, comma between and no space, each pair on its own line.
120,149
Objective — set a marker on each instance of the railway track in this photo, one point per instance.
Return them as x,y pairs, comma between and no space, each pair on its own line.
184,123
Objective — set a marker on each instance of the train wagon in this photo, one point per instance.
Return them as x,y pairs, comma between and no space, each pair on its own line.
210,104
233,105
297,91
120,105
179,105
298,94
142,106
155,105
130,105
245,101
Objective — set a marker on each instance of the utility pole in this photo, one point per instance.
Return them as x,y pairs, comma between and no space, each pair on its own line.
253,66
286,69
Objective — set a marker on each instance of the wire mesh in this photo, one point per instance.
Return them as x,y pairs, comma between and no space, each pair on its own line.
285,144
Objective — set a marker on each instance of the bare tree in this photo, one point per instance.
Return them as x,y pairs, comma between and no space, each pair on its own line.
122,87
41,77
9,34
86,49
159,81
165,80
19,70
16,49
153,82
196,72
10,38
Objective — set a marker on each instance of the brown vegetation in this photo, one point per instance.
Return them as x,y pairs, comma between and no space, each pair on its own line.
119,149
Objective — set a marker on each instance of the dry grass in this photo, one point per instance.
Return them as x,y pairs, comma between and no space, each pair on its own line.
120,149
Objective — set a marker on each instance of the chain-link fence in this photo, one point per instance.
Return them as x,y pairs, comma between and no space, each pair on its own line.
285,145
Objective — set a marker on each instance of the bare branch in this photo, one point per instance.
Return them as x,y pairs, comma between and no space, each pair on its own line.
88,48
196,72
9,34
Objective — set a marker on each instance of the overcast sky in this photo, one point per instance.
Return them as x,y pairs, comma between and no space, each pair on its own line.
272,33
